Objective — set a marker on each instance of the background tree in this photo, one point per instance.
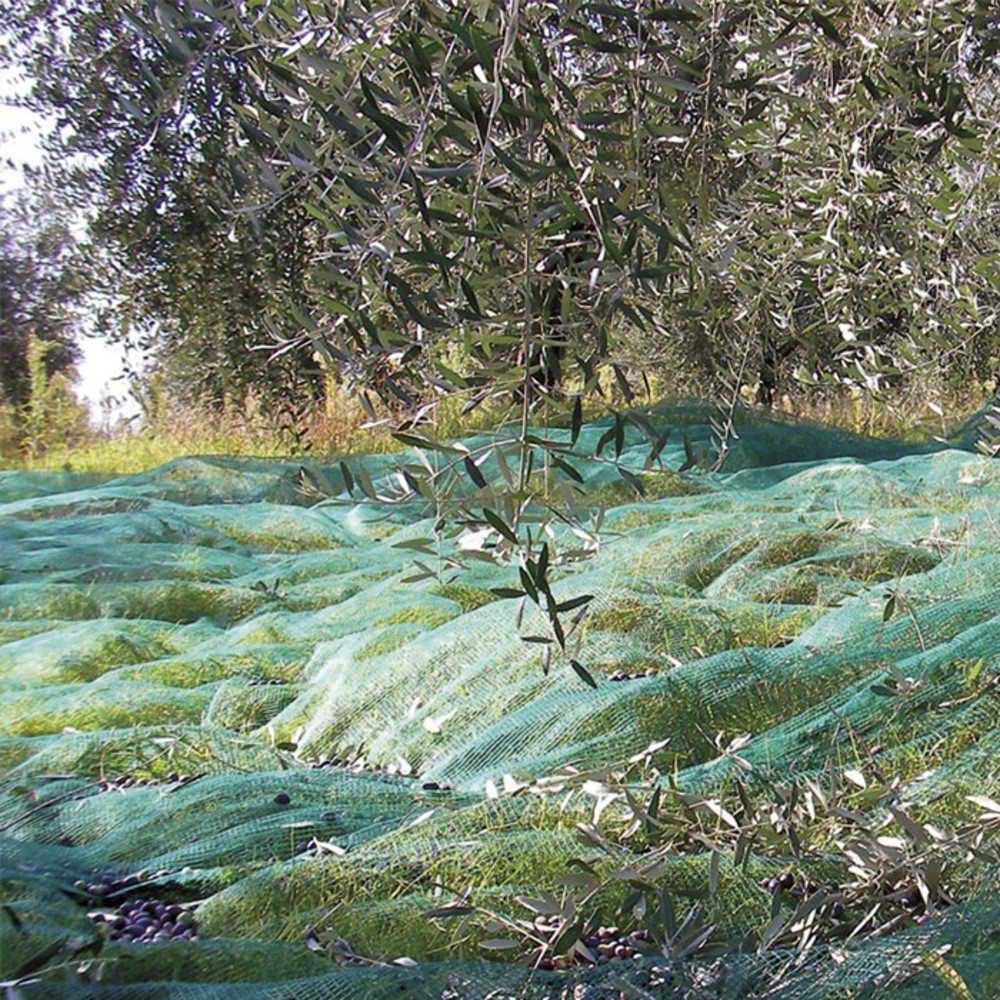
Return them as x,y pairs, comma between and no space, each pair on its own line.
42,284
141,144
40,292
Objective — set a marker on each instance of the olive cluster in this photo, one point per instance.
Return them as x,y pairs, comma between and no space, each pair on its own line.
624,675
284,799
786,882
109,884
265,682
656,977
911,899
606,944
645,968
148,921
904,897
124,781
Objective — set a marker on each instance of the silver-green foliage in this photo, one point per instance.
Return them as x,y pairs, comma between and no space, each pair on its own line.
485,196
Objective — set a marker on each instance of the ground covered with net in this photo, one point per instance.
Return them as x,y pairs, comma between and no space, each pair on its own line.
245,753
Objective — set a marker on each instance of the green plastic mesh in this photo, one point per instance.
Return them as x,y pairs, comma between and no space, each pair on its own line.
209,678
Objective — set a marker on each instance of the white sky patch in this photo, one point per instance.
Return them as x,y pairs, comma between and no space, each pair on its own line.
103,384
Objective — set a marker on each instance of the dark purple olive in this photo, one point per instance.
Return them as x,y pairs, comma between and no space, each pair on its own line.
786,880
838,912
546,964
174,911
282,799
431,786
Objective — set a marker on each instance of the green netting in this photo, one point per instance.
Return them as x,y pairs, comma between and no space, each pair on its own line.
222,695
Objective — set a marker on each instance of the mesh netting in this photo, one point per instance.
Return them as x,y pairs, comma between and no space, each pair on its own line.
222,696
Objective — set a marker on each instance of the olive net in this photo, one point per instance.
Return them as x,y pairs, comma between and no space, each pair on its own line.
247,748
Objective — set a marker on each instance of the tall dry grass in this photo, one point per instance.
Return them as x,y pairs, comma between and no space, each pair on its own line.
339,425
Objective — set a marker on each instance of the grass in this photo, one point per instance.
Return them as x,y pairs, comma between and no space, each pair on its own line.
674,628
339,425
429,616
179,431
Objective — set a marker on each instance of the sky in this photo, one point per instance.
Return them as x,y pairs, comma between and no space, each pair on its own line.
102,365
